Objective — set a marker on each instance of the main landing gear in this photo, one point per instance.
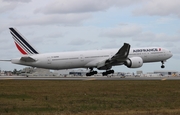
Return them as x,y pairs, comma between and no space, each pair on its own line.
107,72
92,72
162,66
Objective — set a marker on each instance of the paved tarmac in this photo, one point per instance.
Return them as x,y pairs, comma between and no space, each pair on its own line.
86,78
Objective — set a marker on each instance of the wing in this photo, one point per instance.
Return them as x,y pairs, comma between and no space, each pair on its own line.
119,58
27,59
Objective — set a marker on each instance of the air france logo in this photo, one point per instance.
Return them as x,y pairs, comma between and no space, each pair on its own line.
147,50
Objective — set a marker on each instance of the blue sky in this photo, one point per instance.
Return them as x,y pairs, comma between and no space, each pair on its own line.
71,25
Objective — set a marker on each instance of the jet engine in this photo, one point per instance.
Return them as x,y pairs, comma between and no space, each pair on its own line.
134,62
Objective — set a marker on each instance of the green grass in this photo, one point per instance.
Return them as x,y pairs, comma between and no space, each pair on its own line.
90,97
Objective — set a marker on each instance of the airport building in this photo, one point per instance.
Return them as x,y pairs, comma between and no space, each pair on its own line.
30,71
167,73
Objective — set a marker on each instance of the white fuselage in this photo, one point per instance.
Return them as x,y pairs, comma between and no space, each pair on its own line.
87,59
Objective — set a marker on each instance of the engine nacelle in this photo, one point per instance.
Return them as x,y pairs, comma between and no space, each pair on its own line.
134,62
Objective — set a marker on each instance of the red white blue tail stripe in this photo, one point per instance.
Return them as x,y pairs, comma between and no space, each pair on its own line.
21,43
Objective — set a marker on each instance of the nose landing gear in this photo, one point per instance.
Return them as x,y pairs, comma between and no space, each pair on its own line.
162,66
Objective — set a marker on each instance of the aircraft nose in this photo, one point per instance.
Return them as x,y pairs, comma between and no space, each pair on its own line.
170,54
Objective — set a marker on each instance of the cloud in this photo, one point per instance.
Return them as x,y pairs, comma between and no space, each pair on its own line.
9,5
55,35
122,31
159,7
152,37
81,6
113,43
169,44
17,1
80,42
165,20
64,19
3,27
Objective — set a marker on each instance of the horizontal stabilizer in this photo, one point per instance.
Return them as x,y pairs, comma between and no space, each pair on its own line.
5,60
27,59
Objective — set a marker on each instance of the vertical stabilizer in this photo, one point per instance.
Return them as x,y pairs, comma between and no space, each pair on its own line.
21,43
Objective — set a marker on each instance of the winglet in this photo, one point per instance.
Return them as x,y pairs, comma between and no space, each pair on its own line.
21,43
123,51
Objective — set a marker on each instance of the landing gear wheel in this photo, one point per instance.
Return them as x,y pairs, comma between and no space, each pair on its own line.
91,72
88,74
111,71
95,72
108,72
162,66
104,73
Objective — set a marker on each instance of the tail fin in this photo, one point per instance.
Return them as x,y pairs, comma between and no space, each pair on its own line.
21,43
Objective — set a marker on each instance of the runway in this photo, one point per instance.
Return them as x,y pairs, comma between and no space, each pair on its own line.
86,78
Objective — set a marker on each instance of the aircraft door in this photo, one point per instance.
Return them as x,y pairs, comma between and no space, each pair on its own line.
81,58
48,60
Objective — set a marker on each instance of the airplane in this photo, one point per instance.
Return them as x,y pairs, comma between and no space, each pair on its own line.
100,59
